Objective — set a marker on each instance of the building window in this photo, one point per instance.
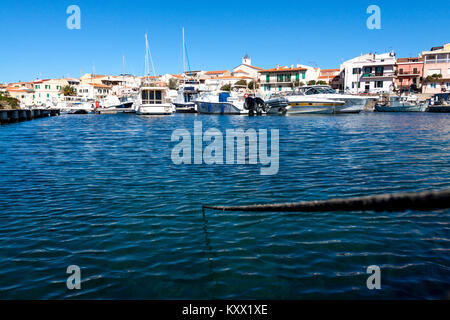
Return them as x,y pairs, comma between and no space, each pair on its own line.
400,71
378,84
432,85
356,70
367,70
415,71
279,88
267,78
297,77
303,75
380,70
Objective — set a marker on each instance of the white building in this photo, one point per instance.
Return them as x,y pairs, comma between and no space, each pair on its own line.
286,78
369,73
93,91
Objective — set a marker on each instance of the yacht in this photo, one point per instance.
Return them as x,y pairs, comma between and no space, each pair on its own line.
184,102
298,103
221,103
353,103
153,100
402,104
188,91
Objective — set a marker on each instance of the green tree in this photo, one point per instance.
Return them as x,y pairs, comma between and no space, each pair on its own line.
321,82
241,83
312,82
68,91
226,87
253,85
173,84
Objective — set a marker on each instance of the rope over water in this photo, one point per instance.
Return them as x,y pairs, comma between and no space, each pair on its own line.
421,201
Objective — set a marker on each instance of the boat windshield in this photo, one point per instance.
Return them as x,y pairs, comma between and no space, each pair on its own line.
317,90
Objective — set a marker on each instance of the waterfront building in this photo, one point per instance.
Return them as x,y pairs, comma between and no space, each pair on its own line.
409,73
23,94
93,91
217,83
49,90
369,73
286,78
331,77
216,74
436,70
245,69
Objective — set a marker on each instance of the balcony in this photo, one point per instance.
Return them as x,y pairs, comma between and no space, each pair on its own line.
378,75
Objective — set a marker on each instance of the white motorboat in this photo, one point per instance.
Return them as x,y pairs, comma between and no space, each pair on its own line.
184,102
402,104
153,101
353,103
219,102
297,103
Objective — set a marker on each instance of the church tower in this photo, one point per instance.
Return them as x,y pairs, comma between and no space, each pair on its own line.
246,60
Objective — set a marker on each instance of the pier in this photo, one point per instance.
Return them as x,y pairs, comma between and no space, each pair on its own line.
16,115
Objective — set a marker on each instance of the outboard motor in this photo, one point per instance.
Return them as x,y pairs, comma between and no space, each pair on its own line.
255,106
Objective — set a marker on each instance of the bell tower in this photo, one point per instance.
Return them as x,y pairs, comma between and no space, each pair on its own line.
246,60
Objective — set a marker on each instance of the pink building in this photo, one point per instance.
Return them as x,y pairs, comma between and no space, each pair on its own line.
436,70
409,73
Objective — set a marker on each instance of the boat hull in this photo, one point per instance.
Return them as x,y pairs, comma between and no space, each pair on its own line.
312,108
418,108
185,108
157,109
439,109
218,108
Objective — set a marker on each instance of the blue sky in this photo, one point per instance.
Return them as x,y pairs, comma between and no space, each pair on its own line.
36,42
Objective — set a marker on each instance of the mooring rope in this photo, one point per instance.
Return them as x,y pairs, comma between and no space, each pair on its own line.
421,201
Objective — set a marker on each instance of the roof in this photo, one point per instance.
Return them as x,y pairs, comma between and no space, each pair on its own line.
98,85
403,60
282,69
330,70
217,72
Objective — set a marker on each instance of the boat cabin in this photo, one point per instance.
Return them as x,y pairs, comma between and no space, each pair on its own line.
153,95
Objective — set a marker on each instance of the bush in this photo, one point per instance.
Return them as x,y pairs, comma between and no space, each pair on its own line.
173,84
7,102
226,87
241,83
321,82
252,84
312,82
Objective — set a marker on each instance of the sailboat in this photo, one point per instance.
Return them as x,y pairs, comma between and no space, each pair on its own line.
188,91
153,98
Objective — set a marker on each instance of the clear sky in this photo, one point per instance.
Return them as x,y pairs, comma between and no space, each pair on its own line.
35,41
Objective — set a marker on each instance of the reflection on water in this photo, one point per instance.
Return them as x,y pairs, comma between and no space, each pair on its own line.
101,192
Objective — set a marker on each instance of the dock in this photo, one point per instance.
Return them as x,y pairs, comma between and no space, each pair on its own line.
16,115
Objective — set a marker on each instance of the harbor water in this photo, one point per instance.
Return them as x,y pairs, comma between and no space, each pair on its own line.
102,192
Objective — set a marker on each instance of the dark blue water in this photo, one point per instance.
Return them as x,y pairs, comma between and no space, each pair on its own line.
101,192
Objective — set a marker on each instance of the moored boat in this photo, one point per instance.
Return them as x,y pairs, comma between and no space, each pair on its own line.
401,104
352,103
221,103
298,103
153,101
